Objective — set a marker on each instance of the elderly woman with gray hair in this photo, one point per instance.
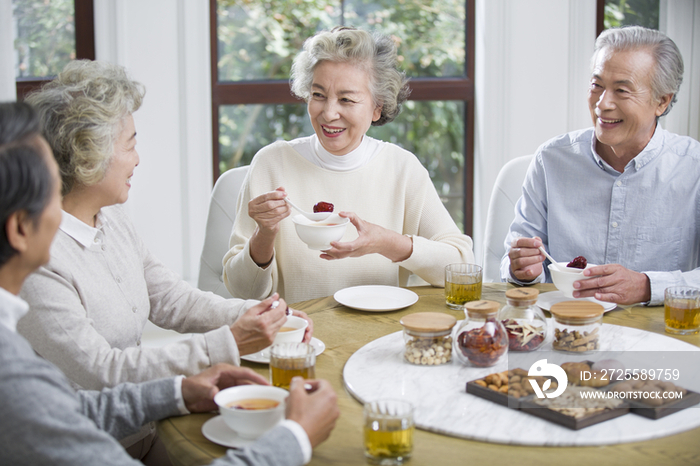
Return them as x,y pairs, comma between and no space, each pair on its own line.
90,303
350,81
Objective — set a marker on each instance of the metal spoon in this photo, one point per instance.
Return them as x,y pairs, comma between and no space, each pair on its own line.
275,304
314,217
556,264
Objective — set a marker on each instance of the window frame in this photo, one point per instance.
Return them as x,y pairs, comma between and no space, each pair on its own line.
84,45
422,89
600,17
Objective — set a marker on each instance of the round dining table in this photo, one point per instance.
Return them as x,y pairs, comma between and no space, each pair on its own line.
345,330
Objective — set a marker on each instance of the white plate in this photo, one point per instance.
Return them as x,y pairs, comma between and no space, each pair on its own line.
546,300
216,430
263,357
376,298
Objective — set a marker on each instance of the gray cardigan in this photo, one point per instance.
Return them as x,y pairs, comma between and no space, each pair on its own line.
88,307
44,421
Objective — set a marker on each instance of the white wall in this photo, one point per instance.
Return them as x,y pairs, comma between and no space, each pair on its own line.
8,90
165,45
531,79
680,19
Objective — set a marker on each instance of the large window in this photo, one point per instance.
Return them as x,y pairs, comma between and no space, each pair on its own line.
254,43
48,34
617,13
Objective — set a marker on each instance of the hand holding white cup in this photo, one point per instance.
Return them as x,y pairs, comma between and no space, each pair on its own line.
291,332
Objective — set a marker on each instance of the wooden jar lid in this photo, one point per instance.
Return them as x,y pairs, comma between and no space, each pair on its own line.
483,306
577,310
428,322
522,294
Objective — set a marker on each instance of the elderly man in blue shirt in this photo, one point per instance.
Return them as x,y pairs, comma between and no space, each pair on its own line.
626,193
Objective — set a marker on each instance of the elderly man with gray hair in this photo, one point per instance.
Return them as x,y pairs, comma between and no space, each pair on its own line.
625,193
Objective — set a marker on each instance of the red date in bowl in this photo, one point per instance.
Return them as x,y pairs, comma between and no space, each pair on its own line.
323,207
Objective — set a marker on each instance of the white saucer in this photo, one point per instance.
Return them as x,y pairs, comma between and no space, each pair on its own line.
216,430
376,298
546,300
263,357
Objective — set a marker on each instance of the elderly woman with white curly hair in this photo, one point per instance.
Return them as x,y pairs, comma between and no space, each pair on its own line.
90,303
350,81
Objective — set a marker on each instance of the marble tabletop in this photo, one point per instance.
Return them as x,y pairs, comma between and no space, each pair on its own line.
378,370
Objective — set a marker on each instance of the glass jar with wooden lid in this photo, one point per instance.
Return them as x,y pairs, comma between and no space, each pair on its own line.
482,339
428,338
523,320
577,326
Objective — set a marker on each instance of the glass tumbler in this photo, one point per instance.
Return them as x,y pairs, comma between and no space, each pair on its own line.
462,284
388,431
288,360
682,310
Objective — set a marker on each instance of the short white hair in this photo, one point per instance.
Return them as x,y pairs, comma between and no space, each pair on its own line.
668,73
82,112
375,53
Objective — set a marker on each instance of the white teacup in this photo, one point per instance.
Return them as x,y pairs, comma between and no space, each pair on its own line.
251,424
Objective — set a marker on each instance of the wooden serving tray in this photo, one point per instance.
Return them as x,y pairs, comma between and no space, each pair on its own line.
657,412
640,408
492,395
528,406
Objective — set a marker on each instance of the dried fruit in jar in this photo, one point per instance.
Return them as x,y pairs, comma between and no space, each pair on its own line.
579,262
485,345
323,207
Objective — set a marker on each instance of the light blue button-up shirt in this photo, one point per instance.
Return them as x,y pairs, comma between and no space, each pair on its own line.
647,218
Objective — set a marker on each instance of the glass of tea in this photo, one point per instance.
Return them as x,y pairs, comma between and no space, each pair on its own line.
288,360
682,310
388,431
462,284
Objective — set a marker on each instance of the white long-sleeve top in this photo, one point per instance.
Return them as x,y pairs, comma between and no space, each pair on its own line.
90,303
393,190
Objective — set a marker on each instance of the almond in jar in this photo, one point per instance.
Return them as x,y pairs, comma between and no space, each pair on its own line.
577,326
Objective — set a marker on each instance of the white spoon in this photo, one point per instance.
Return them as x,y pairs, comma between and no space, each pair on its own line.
556,264
314,217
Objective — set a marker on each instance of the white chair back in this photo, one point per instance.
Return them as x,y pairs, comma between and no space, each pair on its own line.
506,192
222,213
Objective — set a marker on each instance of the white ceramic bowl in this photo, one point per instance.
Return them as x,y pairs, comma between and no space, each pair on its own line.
251,424
292,336
564,281
318,235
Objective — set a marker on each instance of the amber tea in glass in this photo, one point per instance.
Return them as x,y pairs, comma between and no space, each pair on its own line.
462,284
388,431
288,360
682,310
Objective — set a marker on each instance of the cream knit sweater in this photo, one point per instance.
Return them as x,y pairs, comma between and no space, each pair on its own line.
393,190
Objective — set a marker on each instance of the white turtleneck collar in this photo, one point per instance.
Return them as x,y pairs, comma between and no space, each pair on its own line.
312,150
12,308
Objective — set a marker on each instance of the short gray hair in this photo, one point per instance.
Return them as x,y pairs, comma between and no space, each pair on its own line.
376,53
668,75
82,112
